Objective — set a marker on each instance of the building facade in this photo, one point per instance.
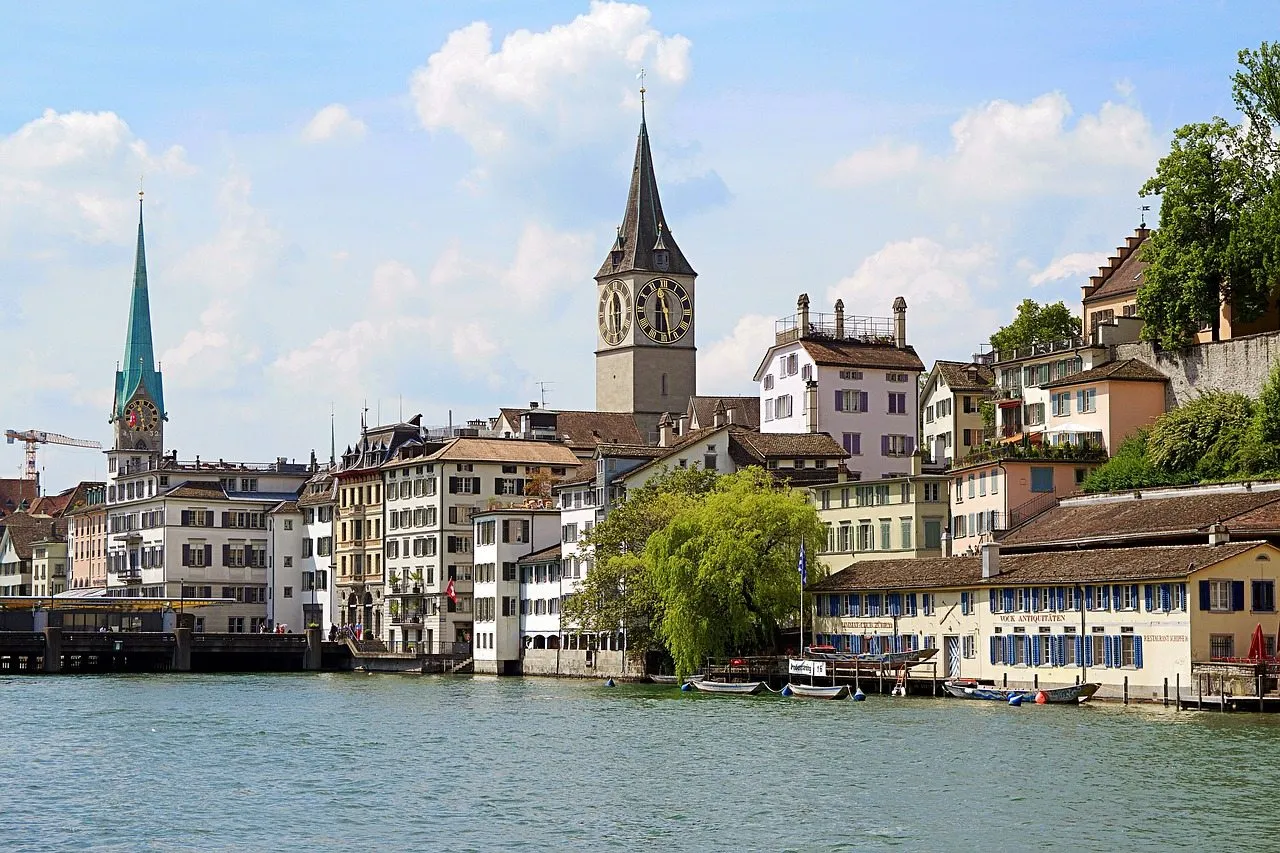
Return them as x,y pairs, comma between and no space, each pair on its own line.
951,409
87,540
503,537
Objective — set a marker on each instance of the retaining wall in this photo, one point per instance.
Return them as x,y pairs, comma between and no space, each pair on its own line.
1240,365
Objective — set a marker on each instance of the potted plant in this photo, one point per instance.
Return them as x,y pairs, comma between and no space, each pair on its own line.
395,610
416,577
394,579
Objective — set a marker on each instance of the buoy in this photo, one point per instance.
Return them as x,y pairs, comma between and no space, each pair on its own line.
786,690
859,696
686,687
1041,699
609,683
1016,700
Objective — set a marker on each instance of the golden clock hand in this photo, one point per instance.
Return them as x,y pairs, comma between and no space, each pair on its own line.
666,310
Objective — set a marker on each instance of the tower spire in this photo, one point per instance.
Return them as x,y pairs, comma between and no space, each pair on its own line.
139,363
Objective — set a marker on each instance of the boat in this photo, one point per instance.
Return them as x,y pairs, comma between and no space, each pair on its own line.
731,688
672,679
967,688
817,691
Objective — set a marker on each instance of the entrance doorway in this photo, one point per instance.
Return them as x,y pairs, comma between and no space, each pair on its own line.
951,650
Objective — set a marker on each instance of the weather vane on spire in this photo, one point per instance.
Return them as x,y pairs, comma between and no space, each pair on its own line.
140,193
641,77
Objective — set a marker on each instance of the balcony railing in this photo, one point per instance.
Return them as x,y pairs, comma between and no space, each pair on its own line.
1032,451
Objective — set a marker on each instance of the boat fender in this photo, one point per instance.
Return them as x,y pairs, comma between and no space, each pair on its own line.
786,691
610,683
1041,699
686,687
1016,700
859,696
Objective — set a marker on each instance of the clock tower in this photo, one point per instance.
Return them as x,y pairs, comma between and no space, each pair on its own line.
645,353
137,411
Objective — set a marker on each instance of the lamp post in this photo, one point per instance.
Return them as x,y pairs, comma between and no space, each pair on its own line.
1084,638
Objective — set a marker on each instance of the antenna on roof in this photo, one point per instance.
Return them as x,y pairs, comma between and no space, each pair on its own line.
542,392
1143,213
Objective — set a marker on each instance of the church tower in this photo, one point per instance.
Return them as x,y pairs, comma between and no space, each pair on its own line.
645,352
137,412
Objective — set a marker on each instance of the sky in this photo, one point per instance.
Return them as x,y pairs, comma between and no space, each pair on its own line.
402,205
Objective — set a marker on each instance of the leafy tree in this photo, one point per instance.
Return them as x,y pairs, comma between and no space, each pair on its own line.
1256,90
616,589
724,568
1036,324
1201,438
1129,468
1260,451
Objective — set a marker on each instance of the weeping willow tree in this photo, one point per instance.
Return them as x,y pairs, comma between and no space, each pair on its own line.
724,568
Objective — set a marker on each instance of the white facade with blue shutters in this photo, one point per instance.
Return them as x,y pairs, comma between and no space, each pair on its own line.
1051,619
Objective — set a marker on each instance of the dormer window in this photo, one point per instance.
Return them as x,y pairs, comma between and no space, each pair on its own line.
662,259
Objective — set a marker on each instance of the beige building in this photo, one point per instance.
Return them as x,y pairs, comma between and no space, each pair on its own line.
898,517
950,409
1132,619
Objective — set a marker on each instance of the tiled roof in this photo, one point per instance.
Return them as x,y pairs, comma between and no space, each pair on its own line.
1086,566
285,506
14,492
506,450
746,410
964,376
546,554
850,353
584,473
24,530
1129,370
1130,518
198,489
584,429
791,445
1125,278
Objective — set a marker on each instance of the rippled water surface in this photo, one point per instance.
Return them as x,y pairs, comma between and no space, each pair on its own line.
355,762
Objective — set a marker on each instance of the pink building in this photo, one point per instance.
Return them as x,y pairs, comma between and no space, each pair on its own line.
1105,405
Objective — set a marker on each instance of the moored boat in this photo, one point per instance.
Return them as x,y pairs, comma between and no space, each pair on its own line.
731,688
1074,694
673,679
817,691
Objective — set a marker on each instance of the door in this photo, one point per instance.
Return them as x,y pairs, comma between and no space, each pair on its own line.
953,656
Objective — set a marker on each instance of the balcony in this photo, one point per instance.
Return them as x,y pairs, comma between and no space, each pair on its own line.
850,327
409,619
1027,450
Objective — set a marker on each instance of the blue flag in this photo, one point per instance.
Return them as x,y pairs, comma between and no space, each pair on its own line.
804,575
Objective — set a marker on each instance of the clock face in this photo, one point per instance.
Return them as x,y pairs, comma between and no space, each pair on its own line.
141,416
664,310
615,313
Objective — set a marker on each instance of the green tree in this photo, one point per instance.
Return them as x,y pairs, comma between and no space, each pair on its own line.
1201,439
1129,468
724,568
1256,90
1036,324
1260,451
617,588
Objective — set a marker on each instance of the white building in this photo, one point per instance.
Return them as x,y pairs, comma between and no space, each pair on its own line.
318,599
854,378
502,537
951,415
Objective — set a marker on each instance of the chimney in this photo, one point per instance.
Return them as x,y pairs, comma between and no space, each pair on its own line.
900,323
728,414
682,424
718,416
917,462
811,404
1218,534
839,319
802,308
946,542
666,435
990,559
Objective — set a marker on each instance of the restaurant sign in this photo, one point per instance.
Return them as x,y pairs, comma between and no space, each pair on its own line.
806,667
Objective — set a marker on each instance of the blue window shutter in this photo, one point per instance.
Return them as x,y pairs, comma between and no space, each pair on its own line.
1008,648
1133,593
1106,598
862,401
1008,600
1137,652
1086,649
1035,599
1088,598
991,603
1146,593
1116,597
1106,648
1237,595
1062,650
1029,649
913,602
994,640
964,603
1166,597
856,600
1033,646
1184,596
1079,650
1204,596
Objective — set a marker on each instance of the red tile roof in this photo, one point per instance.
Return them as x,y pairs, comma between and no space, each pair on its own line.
1125,275
1128,370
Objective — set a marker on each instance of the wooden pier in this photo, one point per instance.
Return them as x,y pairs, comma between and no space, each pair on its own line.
920,678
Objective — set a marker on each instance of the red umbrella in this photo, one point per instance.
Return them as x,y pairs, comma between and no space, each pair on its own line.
1257,644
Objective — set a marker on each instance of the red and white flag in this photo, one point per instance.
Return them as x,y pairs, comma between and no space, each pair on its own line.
448,590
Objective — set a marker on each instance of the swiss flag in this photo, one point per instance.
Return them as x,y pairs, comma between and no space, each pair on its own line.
448,590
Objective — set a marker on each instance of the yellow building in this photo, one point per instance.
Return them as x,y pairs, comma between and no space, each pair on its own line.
1131,619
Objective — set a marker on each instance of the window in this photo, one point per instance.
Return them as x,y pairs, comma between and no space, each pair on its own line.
896,445
851,400
928,413
1222,646
235,625
1061,404
1087,400
569,533
851,374
908,541
1042,479
288,592
932,533
845,540
932,492
866,537
886,534
1219,596
853,443
897,403
969,646
1264,596
782,406
768,382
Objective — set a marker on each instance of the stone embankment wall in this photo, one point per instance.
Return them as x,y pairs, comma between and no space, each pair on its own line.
574,664
1240,365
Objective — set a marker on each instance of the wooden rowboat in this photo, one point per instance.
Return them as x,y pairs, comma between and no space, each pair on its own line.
730,688
817,691
1072,695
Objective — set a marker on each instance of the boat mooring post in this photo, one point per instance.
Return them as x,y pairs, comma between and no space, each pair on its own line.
1126,690
1200,693
1035,681
1259,693
1177,694
1166,692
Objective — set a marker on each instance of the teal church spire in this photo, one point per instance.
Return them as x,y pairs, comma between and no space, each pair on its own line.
139,367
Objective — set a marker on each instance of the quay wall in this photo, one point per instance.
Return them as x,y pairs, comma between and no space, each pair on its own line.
1239,365
581,664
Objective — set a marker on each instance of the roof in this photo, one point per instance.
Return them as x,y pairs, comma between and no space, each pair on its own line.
582,429
285,506
1129,370
1127,517
317,491
199,489
644,228
1087,566
543,556
506,450
25,530
853,353
14,492
139,366
584,473
791,445
965,376
702,410
68,501
1125,275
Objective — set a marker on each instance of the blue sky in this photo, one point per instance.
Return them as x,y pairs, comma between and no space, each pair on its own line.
404,203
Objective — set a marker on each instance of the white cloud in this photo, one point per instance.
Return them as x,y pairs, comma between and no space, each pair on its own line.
1003,150
1124,87
727,365
549,85
1074,265
873,165
333,122
547,262
944,289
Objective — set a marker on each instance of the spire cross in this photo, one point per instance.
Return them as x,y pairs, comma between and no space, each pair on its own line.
641,77
140,192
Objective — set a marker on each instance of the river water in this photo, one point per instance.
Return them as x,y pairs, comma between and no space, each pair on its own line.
370,763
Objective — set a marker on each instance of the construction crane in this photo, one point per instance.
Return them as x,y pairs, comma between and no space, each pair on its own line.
32,437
